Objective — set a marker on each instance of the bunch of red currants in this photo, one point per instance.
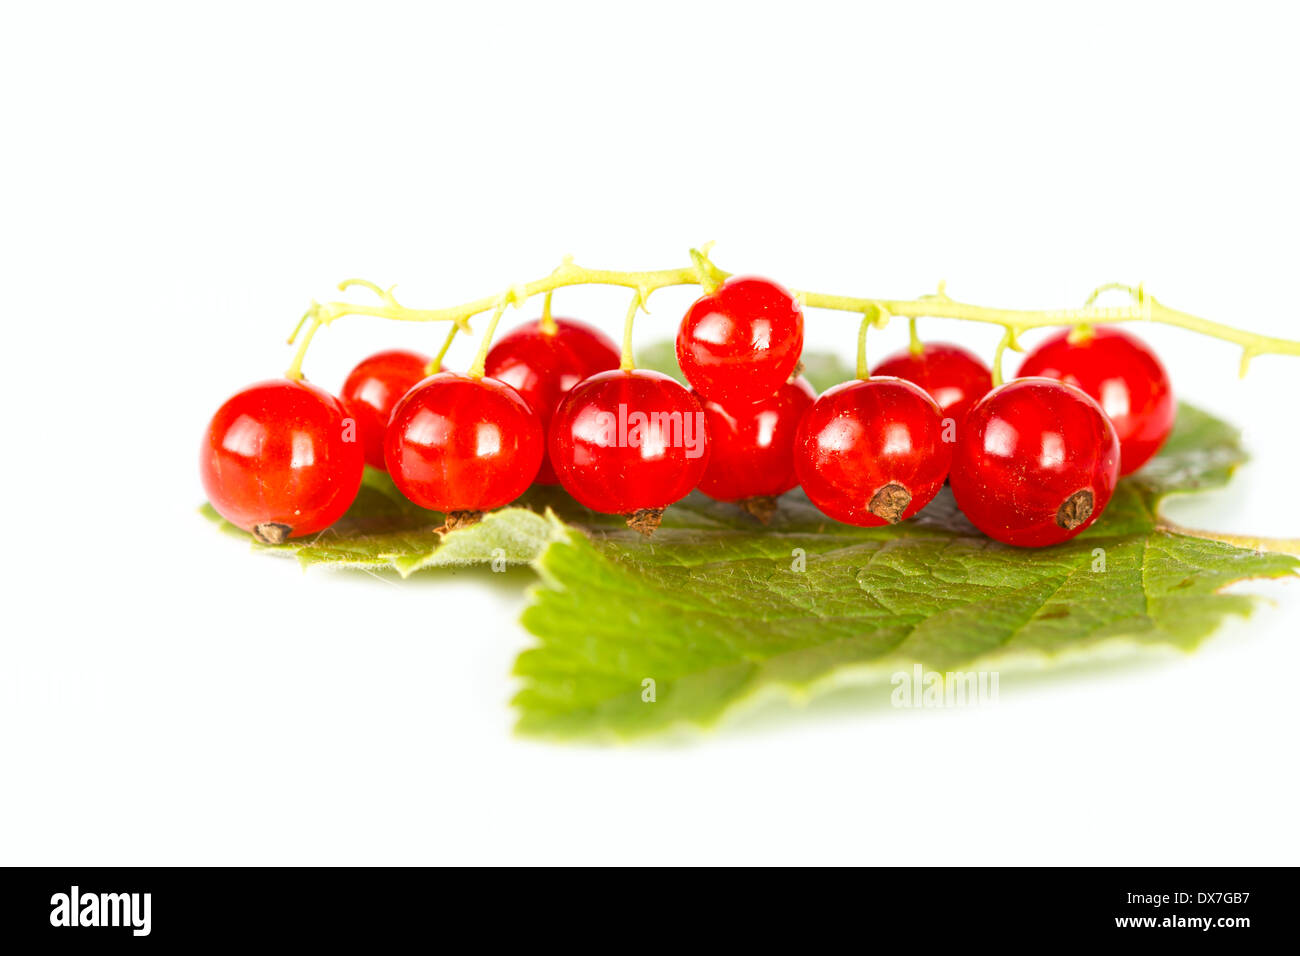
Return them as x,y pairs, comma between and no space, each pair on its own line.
1031,463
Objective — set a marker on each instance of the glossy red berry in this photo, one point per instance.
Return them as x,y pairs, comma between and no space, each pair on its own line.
740,342
542,364
373,388
463,445
954,377
1036,463
281,459
872,452
629,443
1124,376
751,446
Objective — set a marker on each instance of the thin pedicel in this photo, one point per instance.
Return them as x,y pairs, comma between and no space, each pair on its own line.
1142,307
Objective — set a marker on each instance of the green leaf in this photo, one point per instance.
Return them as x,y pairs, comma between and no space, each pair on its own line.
383,529
1201,453
717,617
714,610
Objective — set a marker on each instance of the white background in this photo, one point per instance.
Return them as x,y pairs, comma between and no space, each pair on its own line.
179,180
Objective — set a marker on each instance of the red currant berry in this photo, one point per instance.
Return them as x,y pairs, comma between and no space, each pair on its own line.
1124,376
543,364
955,378
630,443
1036,463
280,460
371,391
462,445
740,342
872,452
751,447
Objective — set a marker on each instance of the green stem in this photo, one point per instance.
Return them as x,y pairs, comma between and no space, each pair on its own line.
566,275
1008,341
476,370
914,344
294,371
548,324
702,272
626,361
1272,545
311,311
873,314
863,372
435,366
710,276
1145,308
